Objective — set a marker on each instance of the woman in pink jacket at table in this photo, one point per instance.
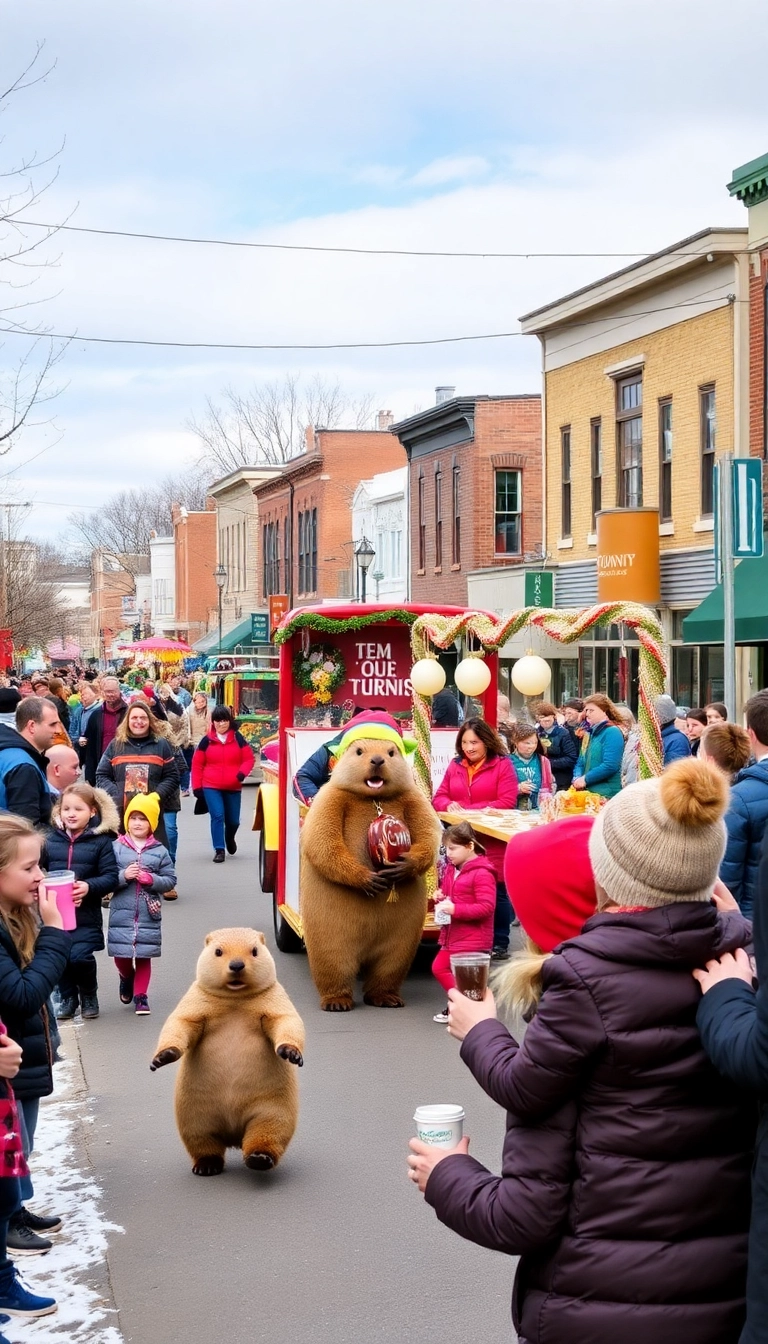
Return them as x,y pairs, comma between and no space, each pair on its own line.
482,775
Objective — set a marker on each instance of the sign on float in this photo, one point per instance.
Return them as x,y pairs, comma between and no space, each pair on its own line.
628,560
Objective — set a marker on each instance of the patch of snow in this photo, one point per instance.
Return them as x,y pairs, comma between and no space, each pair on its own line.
64,1184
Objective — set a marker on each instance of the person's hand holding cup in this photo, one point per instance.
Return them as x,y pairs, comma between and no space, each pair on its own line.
49,910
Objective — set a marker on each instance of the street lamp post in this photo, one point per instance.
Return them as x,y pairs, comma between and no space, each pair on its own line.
364,556
220,575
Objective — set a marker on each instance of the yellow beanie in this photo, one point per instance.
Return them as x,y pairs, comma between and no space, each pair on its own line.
148,804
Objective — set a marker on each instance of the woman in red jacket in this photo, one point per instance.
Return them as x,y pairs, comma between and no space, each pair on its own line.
222,761
481,775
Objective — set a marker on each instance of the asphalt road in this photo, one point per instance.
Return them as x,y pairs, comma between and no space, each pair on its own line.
334,1247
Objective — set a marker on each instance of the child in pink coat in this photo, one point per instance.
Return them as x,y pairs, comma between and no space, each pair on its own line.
468,896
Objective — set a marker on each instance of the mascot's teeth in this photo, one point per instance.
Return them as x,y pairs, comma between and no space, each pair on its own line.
374,783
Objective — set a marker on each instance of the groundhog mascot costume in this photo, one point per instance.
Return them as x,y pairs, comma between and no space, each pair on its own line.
357,919
239,1039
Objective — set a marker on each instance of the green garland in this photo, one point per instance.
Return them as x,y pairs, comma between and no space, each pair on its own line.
329,625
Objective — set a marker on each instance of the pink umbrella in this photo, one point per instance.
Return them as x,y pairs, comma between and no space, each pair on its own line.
160,647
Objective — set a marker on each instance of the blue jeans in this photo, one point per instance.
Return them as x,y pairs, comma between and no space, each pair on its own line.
224,809
187,753
29,1109
171,820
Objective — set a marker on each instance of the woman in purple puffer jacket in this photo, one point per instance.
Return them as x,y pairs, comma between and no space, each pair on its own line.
632,1219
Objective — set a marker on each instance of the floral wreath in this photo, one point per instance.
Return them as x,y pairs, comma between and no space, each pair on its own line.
320,671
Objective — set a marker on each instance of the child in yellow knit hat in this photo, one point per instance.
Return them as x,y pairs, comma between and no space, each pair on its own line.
145,872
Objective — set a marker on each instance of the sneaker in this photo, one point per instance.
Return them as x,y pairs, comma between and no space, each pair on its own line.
38,1223
441,1017
90,1006
185,793
141,1005
126,989
19,1301
218,856
66,1008
500,954
171,895
21,1240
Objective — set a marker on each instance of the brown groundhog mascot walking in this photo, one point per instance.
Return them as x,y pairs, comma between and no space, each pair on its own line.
239,1038
357,920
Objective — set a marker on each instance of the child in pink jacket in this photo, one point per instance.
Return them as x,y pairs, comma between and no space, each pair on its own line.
468,896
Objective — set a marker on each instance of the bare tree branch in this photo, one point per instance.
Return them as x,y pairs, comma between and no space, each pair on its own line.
268,423
125,525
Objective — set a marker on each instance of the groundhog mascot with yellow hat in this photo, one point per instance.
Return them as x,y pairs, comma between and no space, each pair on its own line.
363,891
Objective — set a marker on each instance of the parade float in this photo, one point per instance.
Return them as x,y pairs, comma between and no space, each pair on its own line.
337,659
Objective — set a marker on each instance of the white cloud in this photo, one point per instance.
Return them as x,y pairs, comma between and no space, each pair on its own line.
446,170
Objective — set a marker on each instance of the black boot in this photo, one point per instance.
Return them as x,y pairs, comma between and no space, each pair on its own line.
68,1006
229,839
90,1005
218,856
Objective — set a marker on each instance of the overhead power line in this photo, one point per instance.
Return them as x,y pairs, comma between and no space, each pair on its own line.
345,345
352,251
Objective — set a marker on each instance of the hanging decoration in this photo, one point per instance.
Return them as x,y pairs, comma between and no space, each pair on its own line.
427,676
531,674
472,676
337,625
567,627
319,671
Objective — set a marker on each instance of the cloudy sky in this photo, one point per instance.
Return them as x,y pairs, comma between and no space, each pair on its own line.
500,125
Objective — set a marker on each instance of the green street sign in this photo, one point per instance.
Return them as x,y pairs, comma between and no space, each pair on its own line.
540,589
259,627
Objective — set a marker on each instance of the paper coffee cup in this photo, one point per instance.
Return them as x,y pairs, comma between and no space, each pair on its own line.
440,1126
62,883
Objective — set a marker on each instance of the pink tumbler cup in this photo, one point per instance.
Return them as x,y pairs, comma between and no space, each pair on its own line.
61,883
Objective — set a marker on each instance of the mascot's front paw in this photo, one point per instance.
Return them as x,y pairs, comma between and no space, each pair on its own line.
259,1161
165,1057
291,1054
402,871
340,1003
384,1000
209,1166
378,883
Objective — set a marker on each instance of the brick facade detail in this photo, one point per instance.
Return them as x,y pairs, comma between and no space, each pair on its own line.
758,284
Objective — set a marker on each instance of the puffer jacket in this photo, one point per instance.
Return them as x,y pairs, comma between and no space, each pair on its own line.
652,1244
562,753
600,759
472,888
91,857
745,820
493,785
23,784
221,765
733,1021
674,744
133,931
23,995
154,756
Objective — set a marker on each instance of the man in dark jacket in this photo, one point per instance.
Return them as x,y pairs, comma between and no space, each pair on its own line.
24,788
675,745
747,815
102,726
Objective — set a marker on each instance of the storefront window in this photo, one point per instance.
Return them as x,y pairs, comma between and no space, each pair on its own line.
685,679
712,673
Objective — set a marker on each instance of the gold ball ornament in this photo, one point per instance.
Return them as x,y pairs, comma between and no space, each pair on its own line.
473,676
531,674
427,677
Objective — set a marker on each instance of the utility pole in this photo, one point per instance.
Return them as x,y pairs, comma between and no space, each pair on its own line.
725,485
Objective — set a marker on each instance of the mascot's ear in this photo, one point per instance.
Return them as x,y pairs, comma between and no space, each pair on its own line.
208,938
262,940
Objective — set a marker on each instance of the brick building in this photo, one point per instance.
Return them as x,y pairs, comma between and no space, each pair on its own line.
194,543
307,547
239,542
475,490
646,381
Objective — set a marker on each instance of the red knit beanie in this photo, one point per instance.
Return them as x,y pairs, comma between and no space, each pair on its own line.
550,882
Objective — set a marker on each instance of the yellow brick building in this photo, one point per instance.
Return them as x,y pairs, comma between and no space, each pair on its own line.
645,383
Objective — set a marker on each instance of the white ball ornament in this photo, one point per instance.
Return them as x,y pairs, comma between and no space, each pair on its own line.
531,675
472,676
427,676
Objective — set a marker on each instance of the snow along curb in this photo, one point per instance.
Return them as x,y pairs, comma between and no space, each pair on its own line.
76,1271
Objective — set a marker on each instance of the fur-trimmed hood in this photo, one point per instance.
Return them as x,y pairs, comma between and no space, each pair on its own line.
109,817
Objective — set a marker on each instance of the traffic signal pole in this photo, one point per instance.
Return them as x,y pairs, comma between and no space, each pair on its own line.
725,486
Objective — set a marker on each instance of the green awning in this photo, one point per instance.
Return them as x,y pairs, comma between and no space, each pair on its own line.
750,590
236,634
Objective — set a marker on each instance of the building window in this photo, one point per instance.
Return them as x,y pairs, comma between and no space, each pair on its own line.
422,525
438,518
308,551
507,529
313,552
596,467
271,547
629,440
665,460
707,423
565,481
456,511
287,553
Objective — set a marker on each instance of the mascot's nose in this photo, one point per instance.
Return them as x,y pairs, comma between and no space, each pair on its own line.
237,965
377,761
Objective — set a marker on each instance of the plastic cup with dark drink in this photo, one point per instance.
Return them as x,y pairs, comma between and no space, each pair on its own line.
470,971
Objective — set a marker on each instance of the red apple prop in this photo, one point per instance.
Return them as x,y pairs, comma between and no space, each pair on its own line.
388,840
